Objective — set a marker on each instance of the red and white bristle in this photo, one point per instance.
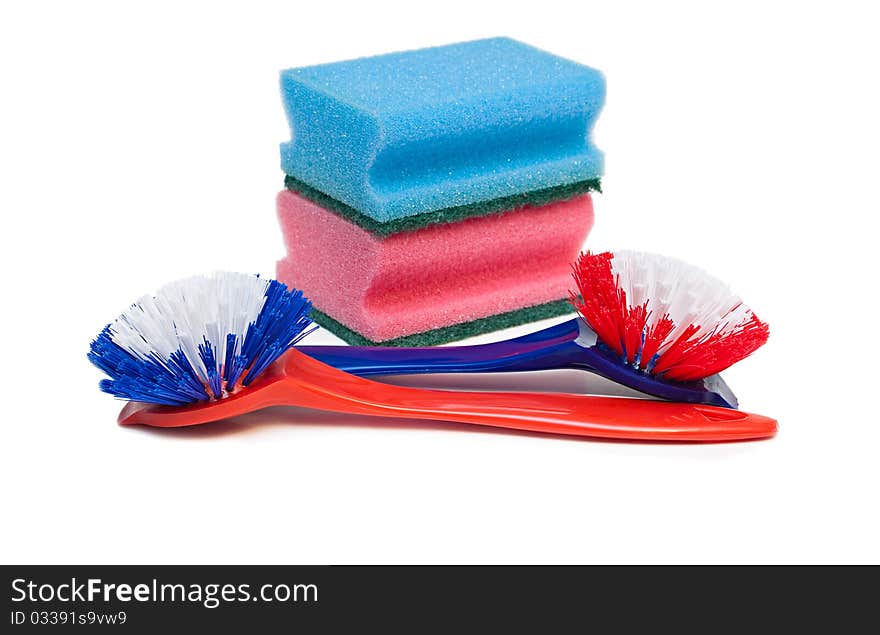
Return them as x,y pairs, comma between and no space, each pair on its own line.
664,316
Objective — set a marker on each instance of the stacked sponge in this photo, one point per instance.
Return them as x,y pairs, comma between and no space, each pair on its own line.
439,193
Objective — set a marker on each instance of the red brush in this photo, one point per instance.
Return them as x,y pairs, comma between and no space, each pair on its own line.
209,348
664,316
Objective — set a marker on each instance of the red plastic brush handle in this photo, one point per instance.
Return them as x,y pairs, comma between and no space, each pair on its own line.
298,380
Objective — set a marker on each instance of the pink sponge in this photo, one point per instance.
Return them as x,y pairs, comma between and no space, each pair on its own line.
386,288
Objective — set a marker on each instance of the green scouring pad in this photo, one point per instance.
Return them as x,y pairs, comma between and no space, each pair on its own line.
442,216
453,332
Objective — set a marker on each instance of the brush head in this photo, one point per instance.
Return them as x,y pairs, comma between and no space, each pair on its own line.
663,316
199,339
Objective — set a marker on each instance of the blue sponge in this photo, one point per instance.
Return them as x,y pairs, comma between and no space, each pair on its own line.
402,134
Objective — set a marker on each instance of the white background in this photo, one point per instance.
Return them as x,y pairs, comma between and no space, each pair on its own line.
140,145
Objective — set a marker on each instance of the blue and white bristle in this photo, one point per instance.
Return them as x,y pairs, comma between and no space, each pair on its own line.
198,339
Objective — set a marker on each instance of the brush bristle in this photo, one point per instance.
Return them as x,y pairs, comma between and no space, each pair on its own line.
664,316
199,339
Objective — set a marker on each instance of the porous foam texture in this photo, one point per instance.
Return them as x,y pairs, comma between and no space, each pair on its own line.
382,289
407,133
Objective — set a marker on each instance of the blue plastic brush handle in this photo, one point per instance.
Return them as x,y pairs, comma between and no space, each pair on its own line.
568,345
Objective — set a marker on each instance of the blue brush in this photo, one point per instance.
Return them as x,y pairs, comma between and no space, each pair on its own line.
654,324
571,345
